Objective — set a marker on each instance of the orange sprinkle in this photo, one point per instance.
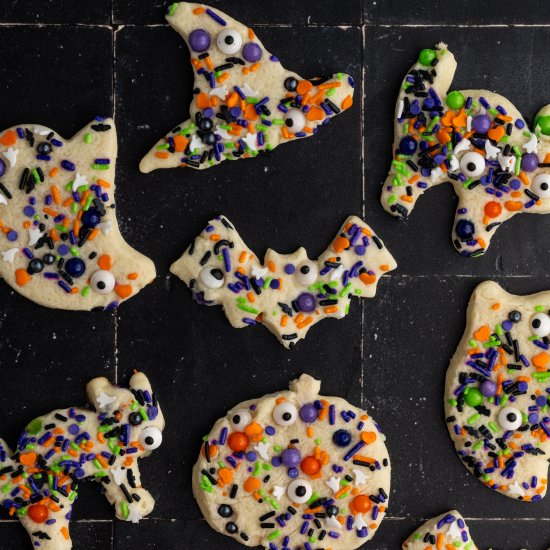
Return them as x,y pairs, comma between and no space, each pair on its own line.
198,11
124,291
271,266
367,278
242,257
251,34
105,262
180,143
203,101
513,206
252,484
482,333
22,277
54,172
304,86
162,155
9,138
255,67
284,320
223,77
133,276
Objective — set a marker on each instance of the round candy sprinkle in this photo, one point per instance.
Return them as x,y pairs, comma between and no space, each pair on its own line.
38,513
544,122
237,441
75,267
341,438
407,145
473,397
493,209
199,40
291,457
306,302
252,52
310,465
225,510
427,56
529,162
289,269
481,123
488,388
308,413
514,316
455,100
465,229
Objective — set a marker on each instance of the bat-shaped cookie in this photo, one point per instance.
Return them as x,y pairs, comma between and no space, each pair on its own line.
288,293
245,102
294,470
447,531
475,139
60,244
39,481
497,392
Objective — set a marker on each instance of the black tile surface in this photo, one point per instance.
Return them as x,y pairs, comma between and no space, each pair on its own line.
389,355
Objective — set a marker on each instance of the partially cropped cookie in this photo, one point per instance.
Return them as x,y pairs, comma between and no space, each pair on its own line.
294,470
497,392
60,245
475,139
244,101
446,531
39,481
288,293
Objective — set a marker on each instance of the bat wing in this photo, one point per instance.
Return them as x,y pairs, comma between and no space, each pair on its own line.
221,270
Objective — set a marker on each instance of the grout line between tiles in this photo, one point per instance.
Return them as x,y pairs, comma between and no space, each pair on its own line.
363,207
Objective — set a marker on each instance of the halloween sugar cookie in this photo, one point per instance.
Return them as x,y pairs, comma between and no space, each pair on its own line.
39,481
294,470
288,293
446,531
475,139
60,245
245,102
497,390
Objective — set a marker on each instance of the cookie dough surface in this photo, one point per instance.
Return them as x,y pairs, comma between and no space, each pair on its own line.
475,139
497,390
288,293
294,470
39,481
446,531
245,102
60,245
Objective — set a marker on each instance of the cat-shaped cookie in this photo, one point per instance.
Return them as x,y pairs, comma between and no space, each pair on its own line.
475,139
497,392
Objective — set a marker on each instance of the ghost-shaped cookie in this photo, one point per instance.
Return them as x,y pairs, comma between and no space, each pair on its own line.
294,469
497,391
244,101
39,482
60,245
288,293
446,531
475,139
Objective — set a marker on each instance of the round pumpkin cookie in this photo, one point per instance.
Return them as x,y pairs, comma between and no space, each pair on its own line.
293,469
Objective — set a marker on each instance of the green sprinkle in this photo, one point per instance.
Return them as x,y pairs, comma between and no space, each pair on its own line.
87,137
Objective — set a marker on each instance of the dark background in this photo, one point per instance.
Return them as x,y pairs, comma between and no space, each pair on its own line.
64,62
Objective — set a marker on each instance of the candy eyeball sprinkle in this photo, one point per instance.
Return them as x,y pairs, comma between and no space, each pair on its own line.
299,491
102,281
472,164
229,41
211,277
295,121
151,438
541,185
240,419
540,324
306,274
285,414
510,418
